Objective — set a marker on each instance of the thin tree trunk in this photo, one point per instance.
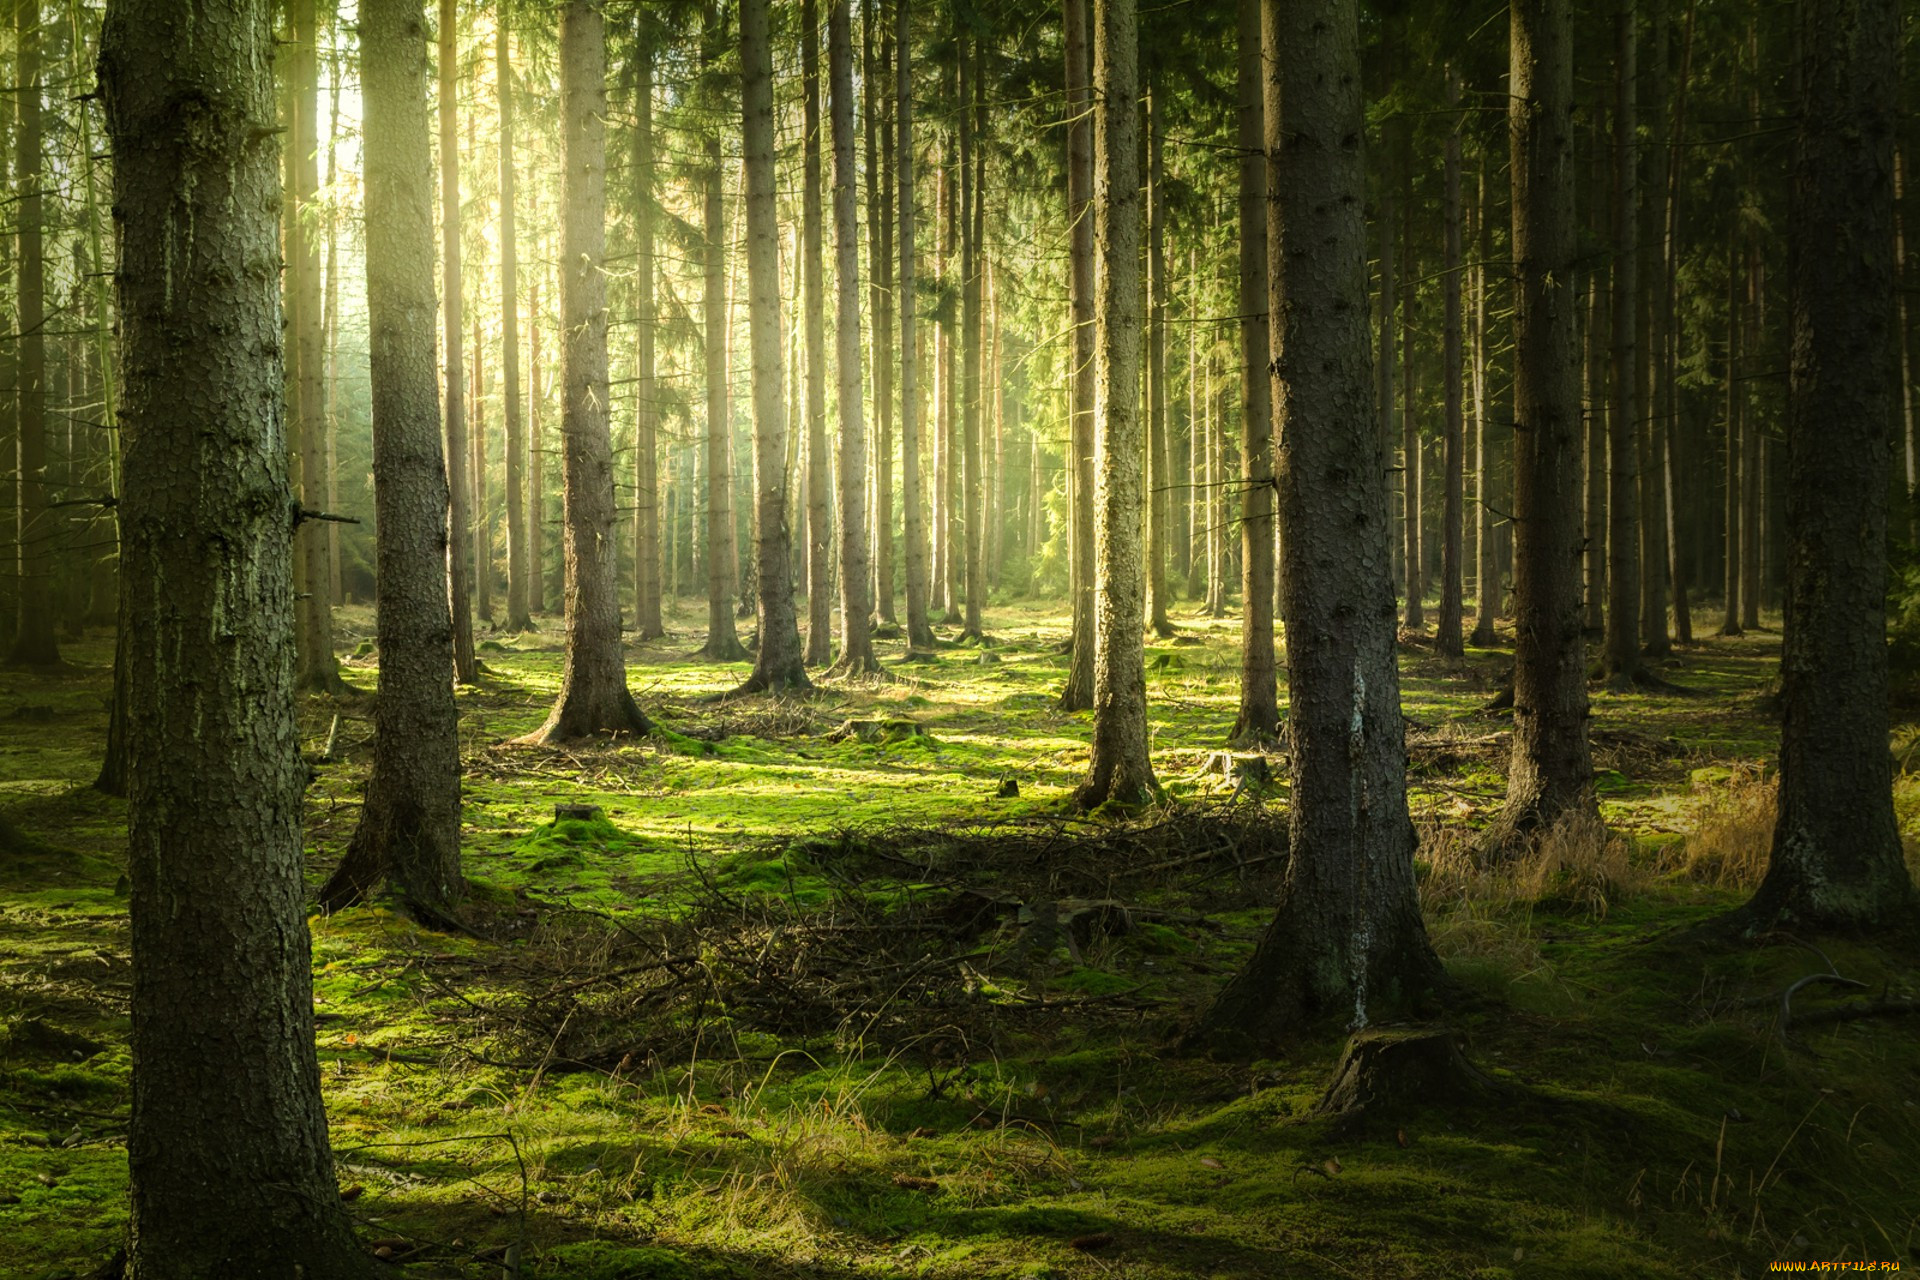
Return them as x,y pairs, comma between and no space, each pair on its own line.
536,462
1551,772
819,530
1415,479
777,666
1596,353
1650,342
880,271
856,637
409,828
1837,861
1910,439
518,619
227,1156
330,387
1385,384
593,683
34,641
1157,509
1625,596
1486,574
971,585
1732,577
1346,942
1447,631
913,506
1120,769
459,572
1258,719
477,433
1078,693
1669,397
723,642
1751,466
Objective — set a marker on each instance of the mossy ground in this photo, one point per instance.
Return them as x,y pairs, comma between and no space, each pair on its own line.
1656,1125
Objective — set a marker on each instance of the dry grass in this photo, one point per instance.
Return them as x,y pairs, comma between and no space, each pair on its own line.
1578,862
1732,835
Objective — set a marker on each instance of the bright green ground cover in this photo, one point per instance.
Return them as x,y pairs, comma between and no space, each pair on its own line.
1658,1127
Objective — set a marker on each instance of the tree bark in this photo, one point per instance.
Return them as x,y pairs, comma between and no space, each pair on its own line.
593,683
227,1148
723,642
819,528
1346,941
1120,769
1836,860
1625,596
536,462
1736,391
1258,719
646,452
856,636
971,590
1077,19
460,572
1650,341
1486,574
1447,638
1596,352
1157,485
1413,518
518,618
409,828
880,315
1551,772
34,642
777,666
912,501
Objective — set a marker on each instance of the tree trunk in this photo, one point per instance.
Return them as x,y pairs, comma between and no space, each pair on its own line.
460,578
1649,341
1625,596
646,451
1596,351
1669,393
856,637
1077,19
1447,637
1551,772
477,434
723,642
819,530
593,683
536,463
1120,769
1486,573
880,271
1258,719
777,666
1385,384
518,619
1157,507
1346,941
912,503
1837,860
1736,391
1750,463
318,671
409,828
34,642
1413,521
330,387
972,587
227,1149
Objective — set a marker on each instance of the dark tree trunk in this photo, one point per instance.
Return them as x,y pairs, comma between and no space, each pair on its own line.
1837,860
1486,573
814,310
1414,511
1259,716
1730,624
1648,340
1551,772
1157,486
227,1149
1595,350
912,501
777,666
536,462
593,684
409,829
1447,637
1120,769
1078,693
518,617
856,636
971,588
460,571
34,642
646,447
1625,596
879,65
1346,942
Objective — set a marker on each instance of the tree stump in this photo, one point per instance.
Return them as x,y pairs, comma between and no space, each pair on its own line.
576,812
881,731
1391,1070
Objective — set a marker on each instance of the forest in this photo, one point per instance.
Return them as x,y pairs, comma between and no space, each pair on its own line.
1044,639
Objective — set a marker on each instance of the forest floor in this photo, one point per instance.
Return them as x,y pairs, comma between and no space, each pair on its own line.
838,985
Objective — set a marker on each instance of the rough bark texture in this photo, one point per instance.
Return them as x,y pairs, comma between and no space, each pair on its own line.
1447,637
1346,941
460,568
409,829
518,617
1121,768
777,666
593,684
1625,594
1551,772
227,1149
1259,715
856,635
316,668
1836,845
912,501
1078,693
723,642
